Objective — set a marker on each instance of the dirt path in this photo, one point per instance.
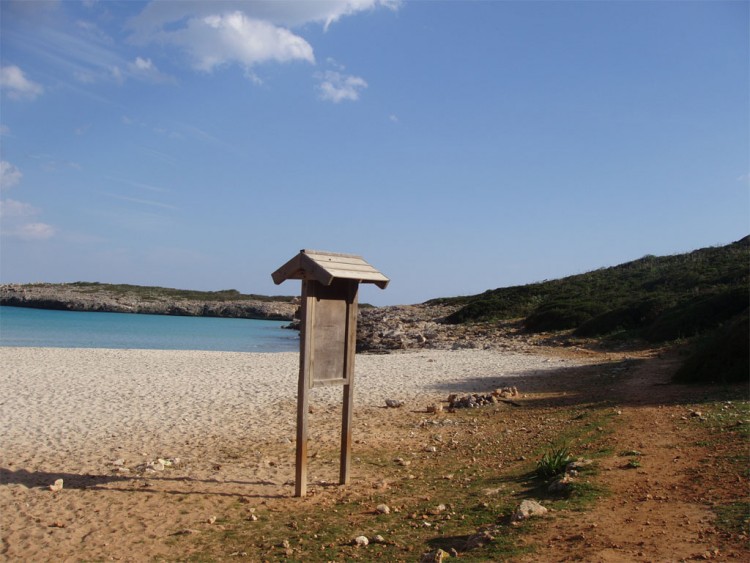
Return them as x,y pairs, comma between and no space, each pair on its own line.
664,494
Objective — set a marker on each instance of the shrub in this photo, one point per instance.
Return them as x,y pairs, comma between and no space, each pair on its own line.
553,463
693,316
721,357
635,315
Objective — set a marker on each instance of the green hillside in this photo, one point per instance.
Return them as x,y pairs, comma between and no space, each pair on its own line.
655,298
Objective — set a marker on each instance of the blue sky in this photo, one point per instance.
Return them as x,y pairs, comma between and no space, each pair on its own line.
457,146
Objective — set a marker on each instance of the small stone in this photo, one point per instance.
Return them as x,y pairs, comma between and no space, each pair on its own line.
57,486
252,518
118,462
211,520
436,556
431,449
360,541
383,509
57,524
378,539
481,538
435,408
402,462
560,485
393,403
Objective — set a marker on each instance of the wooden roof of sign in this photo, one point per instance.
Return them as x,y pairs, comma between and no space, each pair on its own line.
324,267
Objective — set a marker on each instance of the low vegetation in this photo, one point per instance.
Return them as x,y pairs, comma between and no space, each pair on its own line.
702,295
148,293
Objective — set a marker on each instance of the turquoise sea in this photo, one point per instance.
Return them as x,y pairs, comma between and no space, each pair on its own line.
20,326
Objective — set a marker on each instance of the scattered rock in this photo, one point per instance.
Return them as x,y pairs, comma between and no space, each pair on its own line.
435,408
561,484
57,486
360,541
378,539
436,556
578,464
211,520
393,403
479,400
481,538
528,509
402,462
383,509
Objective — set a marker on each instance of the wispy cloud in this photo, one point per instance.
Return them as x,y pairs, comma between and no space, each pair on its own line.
13,208
18,87
15,213
141,185
30,231
9,175
140,201
337,87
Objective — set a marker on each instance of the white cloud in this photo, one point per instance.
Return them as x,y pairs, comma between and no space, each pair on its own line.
145,69
216,40
13,208
4,129
150,23
14,81
336,87
9,175
393,118
222,32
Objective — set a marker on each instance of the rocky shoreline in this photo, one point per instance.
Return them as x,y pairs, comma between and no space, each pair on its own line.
67,297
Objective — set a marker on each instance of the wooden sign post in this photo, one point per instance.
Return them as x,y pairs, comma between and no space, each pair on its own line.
328,338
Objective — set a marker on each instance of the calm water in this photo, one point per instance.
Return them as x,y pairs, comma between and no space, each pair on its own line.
20,326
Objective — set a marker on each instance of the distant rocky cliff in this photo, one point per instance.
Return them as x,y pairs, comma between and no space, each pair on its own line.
71,297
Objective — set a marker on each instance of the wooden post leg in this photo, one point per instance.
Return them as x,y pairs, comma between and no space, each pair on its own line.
300,483
346,435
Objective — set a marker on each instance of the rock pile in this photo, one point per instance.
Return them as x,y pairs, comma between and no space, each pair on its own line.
476,400
417,327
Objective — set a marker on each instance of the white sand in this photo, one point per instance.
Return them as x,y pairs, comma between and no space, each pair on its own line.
95,418
91,405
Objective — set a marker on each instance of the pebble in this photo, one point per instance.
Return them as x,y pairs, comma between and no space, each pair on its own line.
360,541
383,509
57,486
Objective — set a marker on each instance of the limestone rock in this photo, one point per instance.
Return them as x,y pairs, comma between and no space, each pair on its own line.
528,509
436,556
360,541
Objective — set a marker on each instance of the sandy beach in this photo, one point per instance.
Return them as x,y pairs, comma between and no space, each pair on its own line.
102,419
